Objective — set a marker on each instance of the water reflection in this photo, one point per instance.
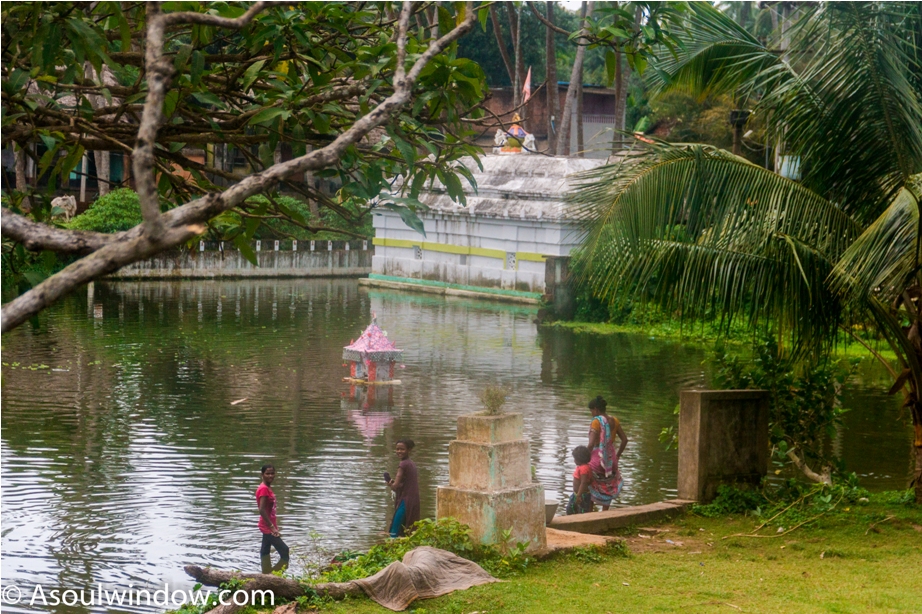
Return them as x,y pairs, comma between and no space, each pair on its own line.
127,451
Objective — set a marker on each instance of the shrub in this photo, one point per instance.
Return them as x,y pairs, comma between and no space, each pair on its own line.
444,533
493,399
116,211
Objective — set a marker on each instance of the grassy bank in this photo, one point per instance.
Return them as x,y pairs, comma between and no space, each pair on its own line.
861,558
707,336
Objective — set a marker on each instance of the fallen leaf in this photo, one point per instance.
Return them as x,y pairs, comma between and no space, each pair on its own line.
625,583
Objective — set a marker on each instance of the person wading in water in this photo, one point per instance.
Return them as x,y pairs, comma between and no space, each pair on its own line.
268,524
406,486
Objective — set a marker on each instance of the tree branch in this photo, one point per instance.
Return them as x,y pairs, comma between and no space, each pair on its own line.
547,23
159,72
187,221
35,236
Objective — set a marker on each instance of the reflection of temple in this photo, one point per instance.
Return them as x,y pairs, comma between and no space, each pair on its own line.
367,408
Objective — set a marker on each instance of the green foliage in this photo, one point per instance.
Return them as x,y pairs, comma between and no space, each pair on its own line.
493,398
293,80
783,506
116,211
805,398
731,500
446,534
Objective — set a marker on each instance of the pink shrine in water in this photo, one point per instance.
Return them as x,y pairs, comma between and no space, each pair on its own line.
372,357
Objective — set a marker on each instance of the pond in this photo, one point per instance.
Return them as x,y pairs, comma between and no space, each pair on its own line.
135,420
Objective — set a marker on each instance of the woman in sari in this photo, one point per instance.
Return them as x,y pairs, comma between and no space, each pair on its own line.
606,479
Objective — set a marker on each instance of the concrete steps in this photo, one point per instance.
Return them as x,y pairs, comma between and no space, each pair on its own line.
639,515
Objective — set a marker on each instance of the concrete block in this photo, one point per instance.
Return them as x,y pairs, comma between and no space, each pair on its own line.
723,439
489,467
481,428
488,514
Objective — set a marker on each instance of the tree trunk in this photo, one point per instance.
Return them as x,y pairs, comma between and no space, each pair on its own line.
280,587
498,33
21,181
576,77
519,65
580,135
103,171
553,98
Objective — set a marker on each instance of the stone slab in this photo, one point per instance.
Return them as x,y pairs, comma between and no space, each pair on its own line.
562,541
489,467
488,514
482,428
604,522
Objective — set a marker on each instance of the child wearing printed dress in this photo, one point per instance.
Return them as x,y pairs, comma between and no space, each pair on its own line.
581,501
268,524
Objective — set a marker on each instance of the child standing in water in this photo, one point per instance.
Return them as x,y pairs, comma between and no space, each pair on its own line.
581,501
268,524
406,486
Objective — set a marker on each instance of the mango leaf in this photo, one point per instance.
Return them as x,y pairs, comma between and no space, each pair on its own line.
406,214
611,65
267,115
208,98
249,77
244,246
198,66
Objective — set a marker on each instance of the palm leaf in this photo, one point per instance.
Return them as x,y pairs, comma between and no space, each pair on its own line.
716,56
853,113
883,260
702,231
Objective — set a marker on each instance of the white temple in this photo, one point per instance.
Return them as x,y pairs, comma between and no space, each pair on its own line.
507,242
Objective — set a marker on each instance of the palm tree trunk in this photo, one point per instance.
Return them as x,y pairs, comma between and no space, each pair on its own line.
553,97
576,77
519,68
580,135
498,33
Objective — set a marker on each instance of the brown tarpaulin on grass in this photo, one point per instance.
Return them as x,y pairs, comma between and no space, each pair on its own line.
424,573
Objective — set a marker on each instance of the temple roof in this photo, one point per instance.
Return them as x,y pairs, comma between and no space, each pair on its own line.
373,345
516,186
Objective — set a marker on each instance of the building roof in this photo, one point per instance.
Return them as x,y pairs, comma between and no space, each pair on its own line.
513,186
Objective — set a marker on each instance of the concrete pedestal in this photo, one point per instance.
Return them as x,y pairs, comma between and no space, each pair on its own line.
723,438
490,487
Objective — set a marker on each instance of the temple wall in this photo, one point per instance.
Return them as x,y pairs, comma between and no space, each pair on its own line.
507,254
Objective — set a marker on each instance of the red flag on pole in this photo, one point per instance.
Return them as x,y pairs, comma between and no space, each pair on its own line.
526,90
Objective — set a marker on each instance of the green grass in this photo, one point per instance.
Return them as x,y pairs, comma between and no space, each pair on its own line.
706,335
861,570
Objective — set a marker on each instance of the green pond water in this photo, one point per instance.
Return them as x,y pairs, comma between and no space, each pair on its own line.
127,453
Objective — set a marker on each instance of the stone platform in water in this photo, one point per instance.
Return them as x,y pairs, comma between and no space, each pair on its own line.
636,515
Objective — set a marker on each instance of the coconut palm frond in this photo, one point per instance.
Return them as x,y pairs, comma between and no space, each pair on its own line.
716,56
702,231
854,113
882,261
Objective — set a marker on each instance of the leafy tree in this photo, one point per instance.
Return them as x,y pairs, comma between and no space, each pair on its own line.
702,231
116,211
359,92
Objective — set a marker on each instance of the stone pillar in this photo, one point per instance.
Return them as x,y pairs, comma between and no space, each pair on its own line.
723,438
490,486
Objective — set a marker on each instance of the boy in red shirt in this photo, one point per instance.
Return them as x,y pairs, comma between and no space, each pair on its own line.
268,525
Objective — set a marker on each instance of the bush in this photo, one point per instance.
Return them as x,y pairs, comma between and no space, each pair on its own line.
446,534
493,398
116,211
